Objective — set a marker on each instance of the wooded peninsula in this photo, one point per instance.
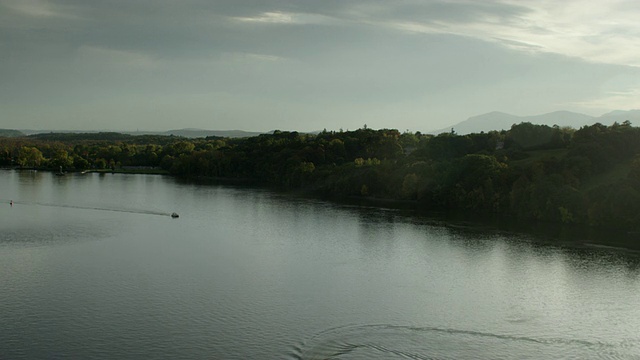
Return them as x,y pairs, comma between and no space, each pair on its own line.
587,176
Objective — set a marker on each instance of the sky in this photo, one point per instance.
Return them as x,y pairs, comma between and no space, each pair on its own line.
308,65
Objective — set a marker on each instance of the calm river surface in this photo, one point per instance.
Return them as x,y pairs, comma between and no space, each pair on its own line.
93,267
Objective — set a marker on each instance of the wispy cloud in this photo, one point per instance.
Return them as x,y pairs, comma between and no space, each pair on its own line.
269,18
263,57
626,99
603,32
282,18
35,8
114,57
240,56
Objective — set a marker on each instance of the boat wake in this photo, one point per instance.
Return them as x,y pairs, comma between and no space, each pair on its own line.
427,343
131,211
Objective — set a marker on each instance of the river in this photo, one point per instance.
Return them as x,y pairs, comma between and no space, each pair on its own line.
93,267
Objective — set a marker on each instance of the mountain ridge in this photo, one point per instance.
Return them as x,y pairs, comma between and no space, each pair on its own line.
497,120
494,120
186,132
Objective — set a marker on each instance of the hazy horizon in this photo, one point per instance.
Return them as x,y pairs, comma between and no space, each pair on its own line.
307,65
445,128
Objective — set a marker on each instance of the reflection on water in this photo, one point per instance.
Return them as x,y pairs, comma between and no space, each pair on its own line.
89,270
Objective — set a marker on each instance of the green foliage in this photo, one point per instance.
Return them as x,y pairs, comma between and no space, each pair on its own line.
61,159
529,136
606,146
30,157
589,176
410,186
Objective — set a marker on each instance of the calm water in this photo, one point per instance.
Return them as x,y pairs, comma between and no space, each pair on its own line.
94,267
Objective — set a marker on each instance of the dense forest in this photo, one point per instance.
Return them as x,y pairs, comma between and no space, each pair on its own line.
585,176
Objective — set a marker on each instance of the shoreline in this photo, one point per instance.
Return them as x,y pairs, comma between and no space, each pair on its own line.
549,233
151,171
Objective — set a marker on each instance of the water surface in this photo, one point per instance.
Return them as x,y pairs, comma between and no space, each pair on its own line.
93,266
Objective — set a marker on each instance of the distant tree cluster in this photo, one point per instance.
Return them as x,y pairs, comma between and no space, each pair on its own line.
585,176
82,151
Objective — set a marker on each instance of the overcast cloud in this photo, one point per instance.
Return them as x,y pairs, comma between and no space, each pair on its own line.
309,64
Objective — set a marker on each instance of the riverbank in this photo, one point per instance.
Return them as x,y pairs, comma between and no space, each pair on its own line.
466,223
146,171
459,221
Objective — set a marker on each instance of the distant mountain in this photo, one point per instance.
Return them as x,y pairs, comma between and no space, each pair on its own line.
503,121
29,132
491,121
620,117
195,133
188,133
10,133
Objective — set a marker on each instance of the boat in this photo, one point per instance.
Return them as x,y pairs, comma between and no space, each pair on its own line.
175,215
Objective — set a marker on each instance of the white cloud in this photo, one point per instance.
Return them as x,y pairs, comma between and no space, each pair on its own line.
600,31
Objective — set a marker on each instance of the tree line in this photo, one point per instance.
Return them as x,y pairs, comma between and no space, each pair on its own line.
586,176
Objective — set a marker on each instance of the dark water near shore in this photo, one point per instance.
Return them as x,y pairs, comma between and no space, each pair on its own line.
94,267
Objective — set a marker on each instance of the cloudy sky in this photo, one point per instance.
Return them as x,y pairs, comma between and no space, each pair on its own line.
306,65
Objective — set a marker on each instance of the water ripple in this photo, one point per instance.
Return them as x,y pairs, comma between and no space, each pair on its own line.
382,341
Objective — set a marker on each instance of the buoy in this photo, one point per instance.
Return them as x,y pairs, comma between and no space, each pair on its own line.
11,202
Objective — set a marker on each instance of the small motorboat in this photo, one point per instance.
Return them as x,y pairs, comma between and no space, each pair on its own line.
175,215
